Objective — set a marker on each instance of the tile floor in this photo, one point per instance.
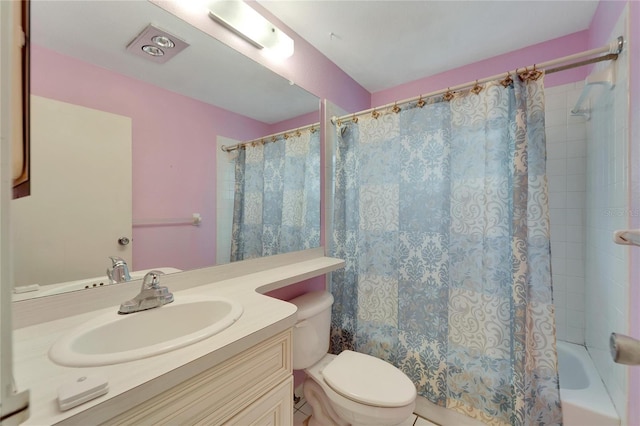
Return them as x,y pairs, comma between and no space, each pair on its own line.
302,410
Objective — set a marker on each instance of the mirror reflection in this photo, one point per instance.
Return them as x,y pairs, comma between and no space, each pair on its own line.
126,158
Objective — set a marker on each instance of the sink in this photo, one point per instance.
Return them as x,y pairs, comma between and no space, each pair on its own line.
112,338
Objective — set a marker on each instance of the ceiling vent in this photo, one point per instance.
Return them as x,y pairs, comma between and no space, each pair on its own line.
156,45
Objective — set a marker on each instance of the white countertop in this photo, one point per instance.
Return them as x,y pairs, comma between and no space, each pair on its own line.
135,381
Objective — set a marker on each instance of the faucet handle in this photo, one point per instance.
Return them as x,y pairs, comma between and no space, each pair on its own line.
151,279
151,295
117,261
119,271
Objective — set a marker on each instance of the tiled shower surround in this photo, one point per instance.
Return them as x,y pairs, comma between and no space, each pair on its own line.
566,171
588,173
607,209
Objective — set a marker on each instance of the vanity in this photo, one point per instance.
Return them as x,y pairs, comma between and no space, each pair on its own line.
241,375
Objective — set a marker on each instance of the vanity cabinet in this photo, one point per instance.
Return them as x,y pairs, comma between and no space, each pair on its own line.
254,387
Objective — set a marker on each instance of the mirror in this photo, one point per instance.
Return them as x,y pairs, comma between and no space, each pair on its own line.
168,120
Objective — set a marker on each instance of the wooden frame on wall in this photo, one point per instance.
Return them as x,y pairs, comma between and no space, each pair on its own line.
21,135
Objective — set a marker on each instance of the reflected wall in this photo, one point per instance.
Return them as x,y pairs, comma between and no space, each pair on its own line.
173,154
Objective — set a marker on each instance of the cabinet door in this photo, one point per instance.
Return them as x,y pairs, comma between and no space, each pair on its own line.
273,409
220,393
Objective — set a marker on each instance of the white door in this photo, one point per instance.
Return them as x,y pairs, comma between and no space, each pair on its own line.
80,202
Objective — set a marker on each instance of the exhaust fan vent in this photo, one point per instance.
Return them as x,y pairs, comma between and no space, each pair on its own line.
156,45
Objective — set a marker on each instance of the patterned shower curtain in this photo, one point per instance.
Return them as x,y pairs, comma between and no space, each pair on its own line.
277,196
441,214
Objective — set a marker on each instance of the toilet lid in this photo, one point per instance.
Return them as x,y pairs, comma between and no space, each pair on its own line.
369,380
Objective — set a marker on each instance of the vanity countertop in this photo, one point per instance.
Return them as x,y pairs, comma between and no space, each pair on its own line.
133,382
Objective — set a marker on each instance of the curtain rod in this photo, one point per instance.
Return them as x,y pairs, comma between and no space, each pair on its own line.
612,49
271,138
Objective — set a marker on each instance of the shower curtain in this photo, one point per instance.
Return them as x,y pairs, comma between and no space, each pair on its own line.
441,214
277,196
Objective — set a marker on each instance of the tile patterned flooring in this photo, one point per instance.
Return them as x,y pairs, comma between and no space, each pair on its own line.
302,410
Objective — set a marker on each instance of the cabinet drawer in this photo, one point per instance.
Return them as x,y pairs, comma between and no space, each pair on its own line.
273,409
219,393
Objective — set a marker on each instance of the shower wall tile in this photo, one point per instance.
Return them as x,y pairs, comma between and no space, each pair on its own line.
566,169
587,170
607,264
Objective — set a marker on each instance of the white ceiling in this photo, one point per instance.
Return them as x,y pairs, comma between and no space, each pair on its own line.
382,44
98,32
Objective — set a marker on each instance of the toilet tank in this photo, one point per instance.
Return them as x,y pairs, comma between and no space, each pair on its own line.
311,332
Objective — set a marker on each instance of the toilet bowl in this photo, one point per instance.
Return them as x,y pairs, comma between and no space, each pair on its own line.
350,388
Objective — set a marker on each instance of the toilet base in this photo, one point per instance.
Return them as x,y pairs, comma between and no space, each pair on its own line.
332,409
323,414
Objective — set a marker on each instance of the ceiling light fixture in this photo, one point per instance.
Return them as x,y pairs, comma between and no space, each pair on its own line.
246,22
163,41
156,44
152,50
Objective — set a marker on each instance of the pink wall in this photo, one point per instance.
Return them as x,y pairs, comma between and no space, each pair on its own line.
173,154
603,22
313,71
293,123
538,53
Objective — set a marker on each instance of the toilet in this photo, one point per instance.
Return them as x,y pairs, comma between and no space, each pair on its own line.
347,389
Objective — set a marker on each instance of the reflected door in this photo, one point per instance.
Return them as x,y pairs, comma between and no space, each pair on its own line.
80,203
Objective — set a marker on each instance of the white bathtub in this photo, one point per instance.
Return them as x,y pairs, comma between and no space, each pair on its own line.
585,400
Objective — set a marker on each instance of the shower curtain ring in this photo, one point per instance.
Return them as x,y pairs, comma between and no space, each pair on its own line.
535,74
421,102
476,88
508,81
524,75
448,95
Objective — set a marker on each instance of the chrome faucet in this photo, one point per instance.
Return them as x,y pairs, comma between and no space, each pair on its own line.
119,271
151,295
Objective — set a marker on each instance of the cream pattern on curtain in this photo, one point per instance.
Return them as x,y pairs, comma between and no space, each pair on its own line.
442,217
277,197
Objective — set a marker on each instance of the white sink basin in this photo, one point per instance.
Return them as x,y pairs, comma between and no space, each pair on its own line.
112,338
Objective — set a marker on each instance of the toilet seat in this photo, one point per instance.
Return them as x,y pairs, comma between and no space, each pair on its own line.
368,380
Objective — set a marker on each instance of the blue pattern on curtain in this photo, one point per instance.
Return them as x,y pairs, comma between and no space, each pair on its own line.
441,214
277,197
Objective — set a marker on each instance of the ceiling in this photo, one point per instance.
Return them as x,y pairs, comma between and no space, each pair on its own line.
98,32
382,44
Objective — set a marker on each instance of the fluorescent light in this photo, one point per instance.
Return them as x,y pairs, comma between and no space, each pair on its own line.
243,20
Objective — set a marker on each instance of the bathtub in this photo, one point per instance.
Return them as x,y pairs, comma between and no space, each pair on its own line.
585,400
